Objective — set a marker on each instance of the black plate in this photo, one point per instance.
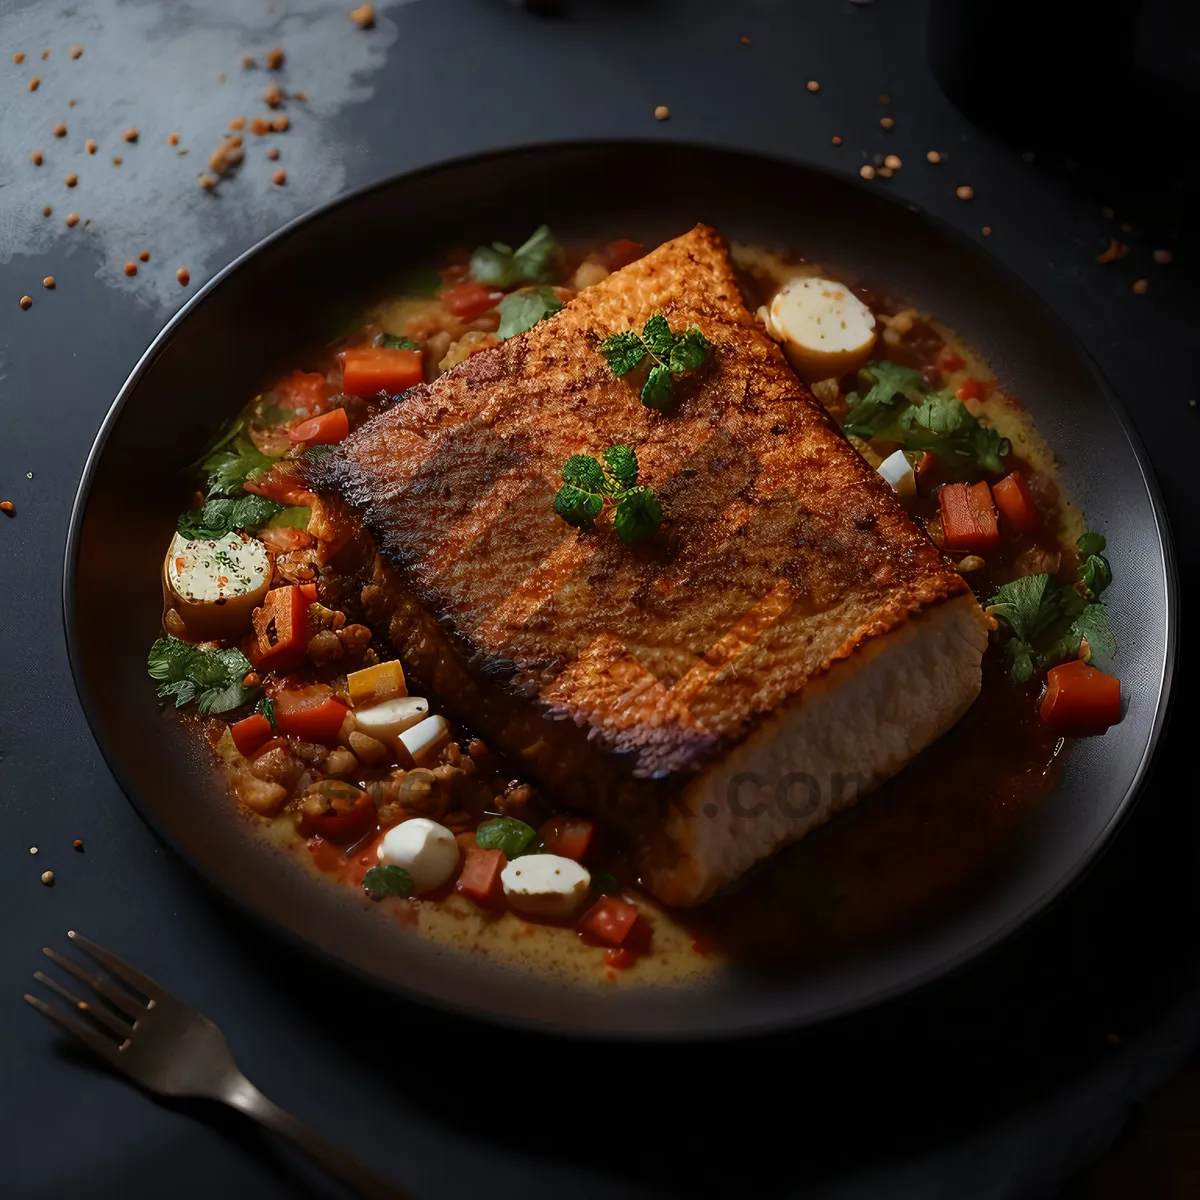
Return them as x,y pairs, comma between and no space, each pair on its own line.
300,286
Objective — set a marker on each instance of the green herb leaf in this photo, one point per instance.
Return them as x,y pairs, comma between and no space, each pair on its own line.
605,884
498,265
387,880
659,339
622,465
266,706
295,516
523,310
1091,543
212,679
390,341
658,389
583,471
689,351
1092,624
576,506
638,515
624,351
1021,604
505,833
232,460
1095,573
220,517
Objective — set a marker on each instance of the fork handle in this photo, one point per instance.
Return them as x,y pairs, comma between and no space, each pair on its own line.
246,1098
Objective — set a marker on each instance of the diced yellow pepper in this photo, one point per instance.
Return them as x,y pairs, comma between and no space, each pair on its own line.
374,685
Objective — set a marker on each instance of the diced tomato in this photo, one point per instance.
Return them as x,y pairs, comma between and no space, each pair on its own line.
951,361
1016,503
325,430
972,389
309,712
341,827
619,957
281,630
250,733
480,876
568,837
925,471
968,518
368,370
304,392
609,920
620,253
1080,701
282,486
469,300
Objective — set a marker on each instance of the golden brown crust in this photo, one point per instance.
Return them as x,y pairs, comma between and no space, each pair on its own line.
781,550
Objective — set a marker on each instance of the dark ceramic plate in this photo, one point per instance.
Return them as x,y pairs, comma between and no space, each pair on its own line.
297,288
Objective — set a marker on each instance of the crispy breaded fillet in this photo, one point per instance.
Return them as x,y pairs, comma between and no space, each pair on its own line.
790,617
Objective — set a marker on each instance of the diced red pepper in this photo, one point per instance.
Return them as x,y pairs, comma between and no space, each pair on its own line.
250,733
368,370
304,392
309,592
1080,701
968,518
281,630
469,300
480,876
309,712
326,430
609,920
341,827
566,836
972,389
1016,503
620,253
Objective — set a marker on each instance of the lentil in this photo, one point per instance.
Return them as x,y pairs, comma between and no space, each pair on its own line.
36,158
131,268
933,156
965,192
90,145
259,127
1140,286
273,153
144,256
247,63
986,231
275,58
47,211
75,51
72,218
867,171
60,130
6,506
1162,257
893,161
837,141
279,178
19,57
662,113
172,139
78,844
281,123
364,16
184,276
887,122
117,162
813,85
34,82
72,180
130,135
48,878
26,302
48,282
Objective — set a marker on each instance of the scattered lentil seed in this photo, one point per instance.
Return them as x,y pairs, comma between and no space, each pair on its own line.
6,506
131,268
45,55
90,145
208,182
72,218
258,127
986,231
813,85
172,139
299,95
884,172
837,141
36,158
1162,257
662,113
48,282
279,178
364,16
1114,251
34,83
144,256
933,156
78,844
130,135
226,156
887,122
893,161
745,41
965,192
273,153
75,51
273,96
32,849
117,162
867,171
60,130
1107,213
1140,286
72,180
281,123
48,878
72,103
47,211
238,123
19,57
26,301
275,58
184,276
247,62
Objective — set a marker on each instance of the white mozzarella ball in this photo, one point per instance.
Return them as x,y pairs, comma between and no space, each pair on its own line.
425,849
824,329
545,885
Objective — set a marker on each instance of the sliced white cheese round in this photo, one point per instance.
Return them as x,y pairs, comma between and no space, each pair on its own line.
898,471
425,849
545,885
823,327
216,585
392,717
424,741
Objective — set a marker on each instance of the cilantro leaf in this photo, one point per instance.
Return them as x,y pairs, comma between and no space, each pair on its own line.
390,341
658,389
219,517
523,310
534,258
387,880
230,461
1021,604
576,506
622,465
659,339
583,471
294,516
505,833
1092,624
1091,543
1095,573
638,515
624,351
689,351
498,265
210,678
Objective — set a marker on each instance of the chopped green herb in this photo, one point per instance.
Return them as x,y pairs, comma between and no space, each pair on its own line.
523,310
576,506
387,880
498,265
583,471
266,706
587,486
390,342
622,465
219,517
210,678
507,834
230,461
605,884
638,515
672,355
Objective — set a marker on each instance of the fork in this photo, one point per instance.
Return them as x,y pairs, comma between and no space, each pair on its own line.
170,1049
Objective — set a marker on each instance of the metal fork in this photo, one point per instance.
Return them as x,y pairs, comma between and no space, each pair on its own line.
172,1050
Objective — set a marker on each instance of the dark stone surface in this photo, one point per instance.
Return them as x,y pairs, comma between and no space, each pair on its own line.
999,1082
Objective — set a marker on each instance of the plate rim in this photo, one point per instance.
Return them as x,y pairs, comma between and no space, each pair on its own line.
945,967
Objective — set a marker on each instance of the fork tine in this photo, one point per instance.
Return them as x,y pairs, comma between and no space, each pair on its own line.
120,968
105,1047
117,998
98,1012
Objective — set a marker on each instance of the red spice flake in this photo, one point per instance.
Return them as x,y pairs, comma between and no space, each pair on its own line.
144,256
273,96
130,135
1140,286
26,301
72,180
76,52
238,123
279,178
131,268
36,158
1115,251
90,145
7,505
60,130
965,192
837,141
19,57
35,83
1162,257
275,58
47,211
48,282
172,139
281,123
887,122
813,85
662,113
273,153
364,16
72,218
184,276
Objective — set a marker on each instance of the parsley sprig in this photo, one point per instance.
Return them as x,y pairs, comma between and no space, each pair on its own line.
210,678
1049,623
896,405
588,485
230,460
501,266
671,354
216,518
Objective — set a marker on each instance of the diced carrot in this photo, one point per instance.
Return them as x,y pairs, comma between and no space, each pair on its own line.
925,470
1080,701
972,389
250,733
1016,503
470,300
373,685
368,370
609,920
325,430
479,879
309,712
281,630
309,592
968,518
